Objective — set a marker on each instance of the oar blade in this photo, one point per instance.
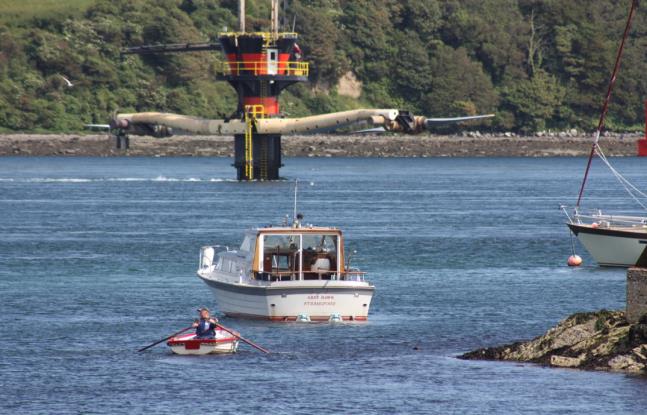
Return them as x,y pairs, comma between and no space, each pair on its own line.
165,339
244,340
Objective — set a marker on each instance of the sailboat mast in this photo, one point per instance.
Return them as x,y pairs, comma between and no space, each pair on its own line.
607,100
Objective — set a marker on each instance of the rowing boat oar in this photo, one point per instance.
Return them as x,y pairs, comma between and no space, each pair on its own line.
165,339
243,339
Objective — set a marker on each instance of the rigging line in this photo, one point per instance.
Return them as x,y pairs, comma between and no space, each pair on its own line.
623,181
607,100
619,175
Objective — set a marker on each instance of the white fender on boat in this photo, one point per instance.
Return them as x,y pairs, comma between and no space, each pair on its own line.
335,318
303,318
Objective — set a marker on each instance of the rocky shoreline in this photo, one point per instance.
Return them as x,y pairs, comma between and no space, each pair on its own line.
602,340
472,144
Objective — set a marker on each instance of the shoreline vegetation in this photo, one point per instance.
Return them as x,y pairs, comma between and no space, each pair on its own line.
472,144
601,340
537,65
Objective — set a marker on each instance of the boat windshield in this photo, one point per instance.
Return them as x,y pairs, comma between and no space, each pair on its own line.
249,244
300,256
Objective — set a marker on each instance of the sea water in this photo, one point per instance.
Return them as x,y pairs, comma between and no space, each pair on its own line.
98,259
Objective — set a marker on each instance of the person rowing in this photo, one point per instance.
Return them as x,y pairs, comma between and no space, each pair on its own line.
205,326
205,329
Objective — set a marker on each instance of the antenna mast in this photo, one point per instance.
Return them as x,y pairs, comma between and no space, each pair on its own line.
296,190
275,18
241,16
284,16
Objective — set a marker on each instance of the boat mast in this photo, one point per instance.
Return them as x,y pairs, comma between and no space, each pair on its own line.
296,190
607,100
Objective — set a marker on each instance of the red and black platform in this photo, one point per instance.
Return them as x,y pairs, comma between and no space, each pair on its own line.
259,67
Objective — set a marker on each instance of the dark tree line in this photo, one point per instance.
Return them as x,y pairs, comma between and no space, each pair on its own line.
537,64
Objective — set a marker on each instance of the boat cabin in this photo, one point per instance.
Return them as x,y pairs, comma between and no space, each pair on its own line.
283,254
291,254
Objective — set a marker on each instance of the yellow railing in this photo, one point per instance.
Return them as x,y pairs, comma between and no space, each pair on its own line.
256,111
290,68
269,38
265,35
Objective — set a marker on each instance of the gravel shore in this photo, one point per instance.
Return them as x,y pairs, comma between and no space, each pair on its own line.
468,145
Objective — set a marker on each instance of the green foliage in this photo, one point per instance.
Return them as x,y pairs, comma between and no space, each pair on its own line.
535,100
458,84
25,11
537,64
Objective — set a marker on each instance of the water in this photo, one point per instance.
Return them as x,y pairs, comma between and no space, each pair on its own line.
97,259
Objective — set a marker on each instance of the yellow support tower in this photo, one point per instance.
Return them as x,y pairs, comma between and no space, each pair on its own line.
252,113
249,158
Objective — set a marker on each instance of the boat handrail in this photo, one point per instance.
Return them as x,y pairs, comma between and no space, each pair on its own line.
357,276
597,215
286,273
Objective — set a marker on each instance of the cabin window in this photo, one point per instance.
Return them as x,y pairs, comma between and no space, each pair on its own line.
326,243
300,256
227,265
280,262
280,253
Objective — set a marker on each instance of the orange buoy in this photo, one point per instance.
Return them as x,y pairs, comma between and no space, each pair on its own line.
595,225
574,261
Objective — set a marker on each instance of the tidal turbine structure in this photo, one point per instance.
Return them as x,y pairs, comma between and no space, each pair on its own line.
259,66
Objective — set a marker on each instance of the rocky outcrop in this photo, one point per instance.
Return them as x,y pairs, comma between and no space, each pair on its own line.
471,144
601,340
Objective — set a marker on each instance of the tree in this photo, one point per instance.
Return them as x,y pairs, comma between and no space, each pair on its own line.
534,101
458,84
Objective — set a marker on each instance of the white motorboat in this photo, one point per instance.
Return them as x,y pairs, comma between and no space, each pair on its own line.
188,344
287,274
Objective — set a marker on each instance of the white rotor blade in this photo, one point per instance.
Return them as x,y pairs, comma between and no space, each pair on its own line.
457,119
377,130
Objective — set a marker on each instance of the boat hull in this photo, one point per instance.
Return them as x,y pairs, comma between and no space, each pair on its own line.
187,344
318,302
613,247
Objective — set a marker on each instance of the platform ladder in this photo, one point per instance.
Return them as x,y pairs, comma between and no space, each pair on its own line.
252,113
264,86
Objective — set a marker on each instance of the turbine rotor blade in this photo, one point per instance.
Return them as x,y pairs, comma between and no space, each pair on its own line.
434,121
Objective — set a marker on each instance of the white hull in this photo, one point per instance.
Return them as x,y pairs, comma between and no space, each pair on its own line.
186,344
612,247
290,300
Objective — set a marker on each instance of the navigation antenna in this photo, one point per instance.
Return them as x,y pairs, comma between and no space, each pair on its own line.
296,190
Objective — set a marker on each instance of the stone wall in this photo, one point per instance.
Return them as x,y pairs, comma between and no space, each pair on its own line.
636,294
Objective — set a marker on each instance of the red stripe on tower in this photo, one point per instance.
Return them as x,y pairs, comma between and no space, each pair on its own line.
284,67
255,63
231,58
270,104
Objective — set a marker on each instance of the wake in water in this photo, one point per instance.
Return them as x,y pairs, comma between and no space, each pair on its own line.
114,179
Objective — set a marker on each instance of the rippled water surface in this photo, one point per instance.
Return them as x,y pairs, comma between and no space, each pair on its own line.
98,258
